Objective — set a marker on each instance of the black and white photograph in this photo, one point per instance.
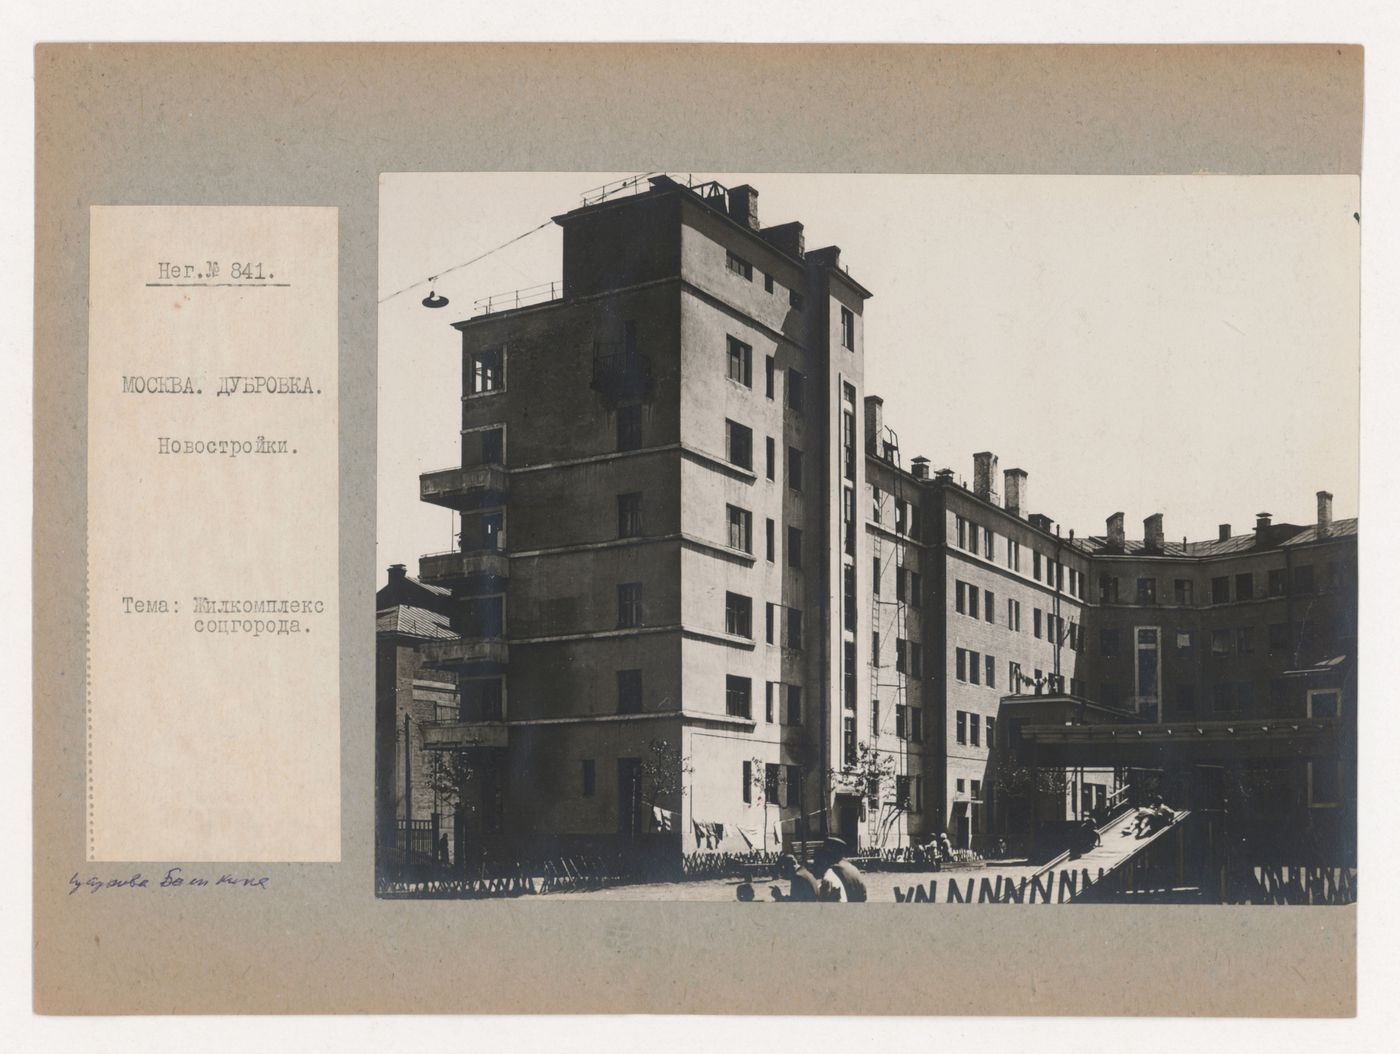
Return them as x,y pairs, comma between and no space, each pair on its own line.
958,539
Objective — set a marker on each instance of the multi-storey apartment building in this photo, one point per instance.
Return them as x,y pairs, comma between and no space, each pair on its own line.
700,602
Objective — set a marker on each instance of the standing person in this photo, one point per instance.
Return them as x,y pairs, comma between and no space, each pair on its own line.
840,879
802,884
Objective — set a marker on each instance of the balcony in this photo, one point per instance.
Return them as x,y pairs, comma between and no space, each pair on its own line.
477,653
620,373
485,566
460,735
467,487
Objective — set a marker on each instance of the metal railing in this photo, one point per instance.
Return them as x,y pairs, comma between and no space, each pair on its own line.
526,297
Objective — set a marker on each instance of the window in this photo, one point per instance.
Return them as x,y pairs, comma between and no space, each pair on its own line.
590,777
796,391
900,718
771,775
848,578
875,648
1244,586
1147,591
848,328
1074,636
629,605
848,741
771,541
740,529
848,675
740,362
1108,589
770,375
1183,590
973,599
848,518
972,536
748,782
916,659
960,785
848,446
991,670
629,428
962,731
794,468
1185,640
1035,565
1108,642
1278,582
767,283
962,664
770,613
916,724
1013,555
493,446
768,688
974,667
1324,703
1244,640
960,601
738,615
740,441
988,544
1185,700
976,787
486,373
629,515
1035,622
771,458
794,775
991,732
738,265
1220,642
794,704
901,589
736,697
974,729
989,605
1013,677
916,589
1149,667
794,628
962,531
794,548
1303,579
1220,590
901,655
629,691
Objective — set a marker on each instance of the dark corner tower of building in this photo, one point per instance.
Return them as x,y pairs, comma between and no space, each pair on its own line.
658,472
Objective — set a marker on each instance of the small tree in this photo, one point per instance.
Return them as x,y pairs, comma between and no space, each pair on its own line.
448,774
665,769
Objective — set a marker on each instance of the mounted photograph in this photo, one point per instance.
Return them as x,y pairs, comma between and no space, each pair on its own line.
892,538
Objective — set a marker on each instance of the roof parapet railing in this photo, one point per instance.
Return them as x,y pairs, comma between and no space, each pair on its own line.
514,298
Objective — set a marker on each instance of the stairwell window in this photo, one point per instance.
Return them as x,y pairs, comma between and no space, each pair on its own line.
794,629
629,515
794,547
916,589
794,705
848,329
796,391
794,468
629,428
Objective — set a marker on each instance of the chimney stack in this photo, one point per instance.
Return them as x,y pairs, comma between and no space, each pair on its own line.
874,423
944,475
1153,536
1324,513
1224,532
1115,532
1263,520
1041,522
786,236
743,206
920,467
397,573
1014,496
984,471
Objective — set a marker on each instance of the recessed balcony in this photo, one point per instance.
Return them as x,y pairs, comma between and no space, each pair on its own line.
466,487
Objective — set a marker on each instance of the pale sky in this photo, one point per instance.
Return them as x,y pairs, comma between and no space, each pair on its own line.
1177,344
